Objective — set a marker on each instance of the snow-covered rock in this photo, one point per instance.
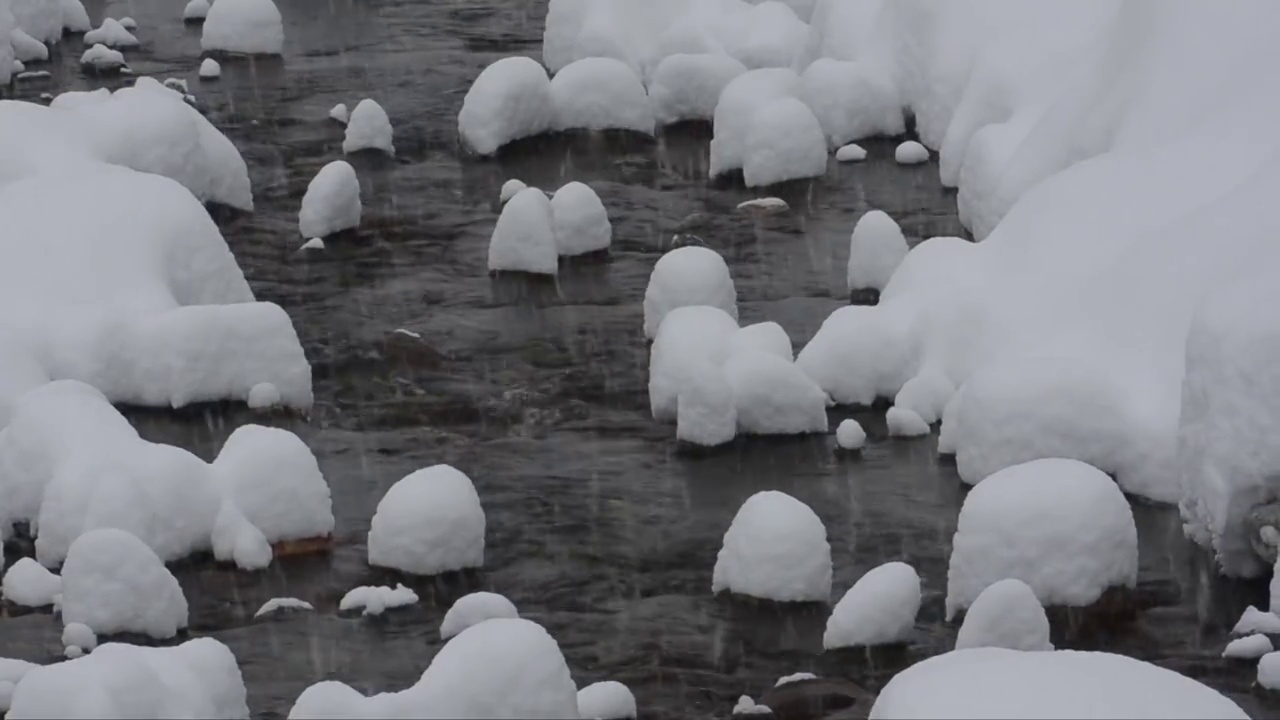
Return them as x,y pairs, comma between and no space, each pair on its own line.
210,69
75,19
29,584
244,27
102,59
509,190
8,64
775,549
524,239
368,128
765,337
196,11
858,355
876,249
770,36
128,23
581,221
264,395
377,599
774,397
510,99
794,677
748,707
851,101
706,412
80,636
997,682
764,206
851,153
784,142
600,93
177,85
429,522
27,49
329,699
689,275
926,394
905,423
879,609
690,337
607,700
911,153
736,109
473,609
850,436
1253,620
112,34
41,19
11,673
314,244
113,583
1269,671
1251,647
1006,614
275,605
1059,525
332,201
688,86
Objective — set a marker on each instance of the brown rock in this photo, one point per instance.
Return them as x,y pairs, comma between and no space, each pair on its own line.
304,546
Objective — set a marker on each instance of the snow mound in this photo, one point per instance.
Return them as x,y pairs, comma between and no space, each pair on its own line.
27,49
196,11
1248,648
263,396
997,682
876,249
102,59
29,584
524,239
80,636
774,397
210,69
1253,620
312,244
905,423
784,142
771,36
690,336
128,23
747,706
775,549
473,609
689,275
794,678
851,153
735,113
243,27
706,413
368,128
11,673
429,522
600,93
1060,526
607,700
926,394
375,600
880,609
851,101
581,222
688,86
1006,614
858,355
75,19
850,435
41,19
328,700
766,337
1269,671
112,34
332,202
510,99
911,153
510,189
277,604
113,583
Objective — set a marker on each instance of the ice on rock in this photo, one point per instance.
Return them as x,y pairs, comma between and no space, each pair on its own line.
997,682
911,153
368,128
475,608
210,69
706,414
27,49
784,142
771,36
196,11
851,153
332,201
243,27
736,109
375,600
75,19
1006,614
29,584
103,59
11,673
430,522
880,609
689,275
581,221
926,394
858,355
524,239
850,436
340,113
80,636
775,549
1269,671
275,605
905,423
876,249
1060,526
510,99
600,93
197,679
1254,620
113,583
607,700
774,397
688,86
765,337
1251,647
510,189
263,395
851,101
112,34
690,336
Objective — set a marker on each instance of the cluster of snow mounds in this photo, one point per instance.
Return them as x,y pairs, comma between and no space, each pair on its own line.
534,231
998,682
368,128
473,609
199,678
1058,525
879,609
332,202
784,142
429,522
241,27
1006,614
113,583
775,549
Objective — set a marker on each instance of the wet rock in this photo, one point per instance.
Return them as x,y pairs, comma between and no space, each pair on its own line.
864,296
1117,608
818,699
406,349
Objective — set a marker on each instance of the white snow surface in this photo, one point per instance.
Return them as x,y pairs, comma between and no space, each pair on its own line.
377,599
736,109
911,153
687,86
429,522
29,584
775,549
41,19
282,603
1058,525
244,27
1251,647
876,249
210,69
475,608
766,337
851,101
689,275
1253,620
850,435
196,10
691,337
905,423
27,49
113,583
340,113
103,59
851,153
112,34
774,397
606,700
332,201
600,93
581,221
11,672
747,706
368,128
784,142
706,411
75,19
926,394
1006,614
997,682
509,100
263,395
80,636
128,23
524,238
880,609
1269,671
509,189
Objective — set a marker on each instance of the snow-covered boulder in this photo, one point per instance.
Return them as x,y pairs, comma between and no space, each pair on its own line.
688,86
112,34
340,113
128,23
581,222
607,700
11,673
196,11
75,19
1250,647
27,49
775,549
509,100
329,699
113,583
859,355
210,69
926,394
475,608
368,128
784,142
771,36
905,423
243,27
997,682
765,337
1269,671
264,395
377,599
600,93
524,239
1058,525
332,202
510,189
851,101
850,436
429,522
102,60
851,153
79,636
1006,614
876,249
880,609
774,397
41,19
736,109
29,584
706,413
689,275
911,153
689,337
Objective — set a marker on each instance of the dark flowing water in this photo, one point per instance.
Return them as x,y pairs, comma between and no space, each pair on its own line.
597,529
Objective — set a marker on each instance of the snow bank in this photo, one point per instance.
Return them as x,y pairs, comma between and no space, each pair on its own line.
607,700
509,100
688,276
29,584
850,435
114,583
112,34
706,411
879,609
690,336
473,609
775,549
600,93
774,397
876,249
581,222
784,142
375,600
368,128
332,201
1006,614
736,109
996,682
688,86
524,239
429,522
1060,526
851,101
245,27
